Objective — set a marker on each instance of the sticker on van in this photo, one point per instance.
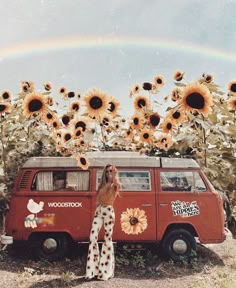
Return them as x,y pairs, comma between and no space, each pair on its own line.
133,221
32,220
185,209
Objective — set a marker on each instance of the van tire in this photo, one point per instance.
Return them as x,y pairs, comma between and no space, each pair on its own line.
58,243
169,248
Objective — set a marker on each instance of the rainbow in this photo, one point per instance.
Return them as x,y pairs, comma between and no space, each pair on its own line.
60,44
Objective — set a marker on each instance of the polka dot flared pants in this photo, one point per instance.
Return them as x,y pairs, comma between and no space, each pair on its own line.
101,265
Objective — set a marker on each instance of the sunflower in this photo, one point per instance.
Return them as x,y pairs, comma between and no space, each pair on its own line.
141,102
78,132
63,91
168,126
232,103
34,103
196,97
208,78
175,94
48,86
4,108
146,136
113,106
178,75
48,117
147,86
82,161
137,121
105,121
176,115
159,81
129,134
6,95
27,86
79,122
96,103
164,142
133,221
74,106
66,118
154,120
49,100
136,88
56,124
232,86
66,136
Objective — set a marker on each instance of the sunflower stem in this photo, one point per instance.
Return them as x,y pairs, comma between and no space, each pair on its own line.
204,142
3,150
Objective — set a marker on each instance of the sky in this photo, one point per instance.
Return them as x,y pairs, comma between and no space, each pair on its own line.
112,45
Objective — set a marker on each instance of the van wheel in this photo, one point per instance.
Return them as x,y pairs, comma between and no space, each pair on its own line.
49,246
178,244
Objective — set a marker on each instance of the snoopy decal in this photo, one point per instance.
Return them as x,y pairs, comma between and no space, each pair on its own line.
34,208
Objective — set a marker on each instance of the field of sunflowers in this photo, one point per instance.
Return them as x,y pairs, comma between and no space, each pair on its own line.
200,122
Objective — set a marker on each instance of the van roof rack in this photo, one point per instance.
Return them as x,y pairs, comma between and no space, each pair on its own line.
118,158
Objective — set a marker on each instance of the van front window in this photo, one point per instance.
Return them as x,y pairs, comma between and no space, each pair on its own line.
182,181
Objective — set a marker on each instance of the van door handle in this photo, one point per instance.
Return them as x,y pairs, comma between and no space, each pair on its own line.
146,205
164,204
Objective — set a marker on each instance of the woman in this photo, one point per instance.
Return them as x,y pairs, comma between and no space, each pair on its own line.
102,266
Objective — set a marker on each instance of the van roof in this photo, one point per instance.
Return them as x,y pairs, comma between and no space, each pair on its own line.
118,158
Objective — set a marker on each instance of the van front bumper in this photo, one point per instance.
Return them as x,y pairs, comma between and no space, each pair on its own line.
5,240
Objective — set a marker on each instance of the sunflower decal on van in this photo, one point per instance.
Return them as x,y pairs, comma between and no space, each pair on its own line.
133,221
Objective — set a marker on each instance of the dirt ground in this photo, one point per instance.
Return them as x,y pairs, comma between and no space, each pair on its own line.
215,266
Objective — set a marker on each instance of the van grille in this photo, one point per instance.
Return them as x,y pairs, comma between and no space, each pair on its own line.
24,180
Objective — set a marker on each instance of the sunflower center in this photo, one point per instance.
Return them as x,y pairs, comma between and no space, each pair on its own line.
195,100
154,120
83,160
80,124
141,103
35,105
145,135
5,95
112,107
71,94
65,120
147,86
49,116
95,102
2,107
133,220
169,126
159,81
78,133
163,140
55,124
233,87
67,137
75,107
176,115
136,121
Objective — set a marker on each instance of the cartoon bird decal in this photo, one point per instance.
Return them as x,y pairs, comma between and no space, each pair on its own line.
34,208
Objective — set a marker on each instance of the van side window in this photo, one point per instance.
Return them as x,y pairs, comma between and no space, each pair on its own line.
61,181
182,181
131,180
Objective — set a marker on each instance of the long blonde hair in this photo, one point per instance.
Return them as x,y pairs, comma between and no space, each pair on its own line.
104,178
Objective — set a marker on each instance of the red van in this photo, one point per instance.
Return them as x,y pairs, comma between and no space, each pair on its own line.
163,200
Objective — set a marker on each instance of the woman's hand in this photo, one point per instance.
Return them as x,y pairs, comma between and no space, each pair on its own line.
114,174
